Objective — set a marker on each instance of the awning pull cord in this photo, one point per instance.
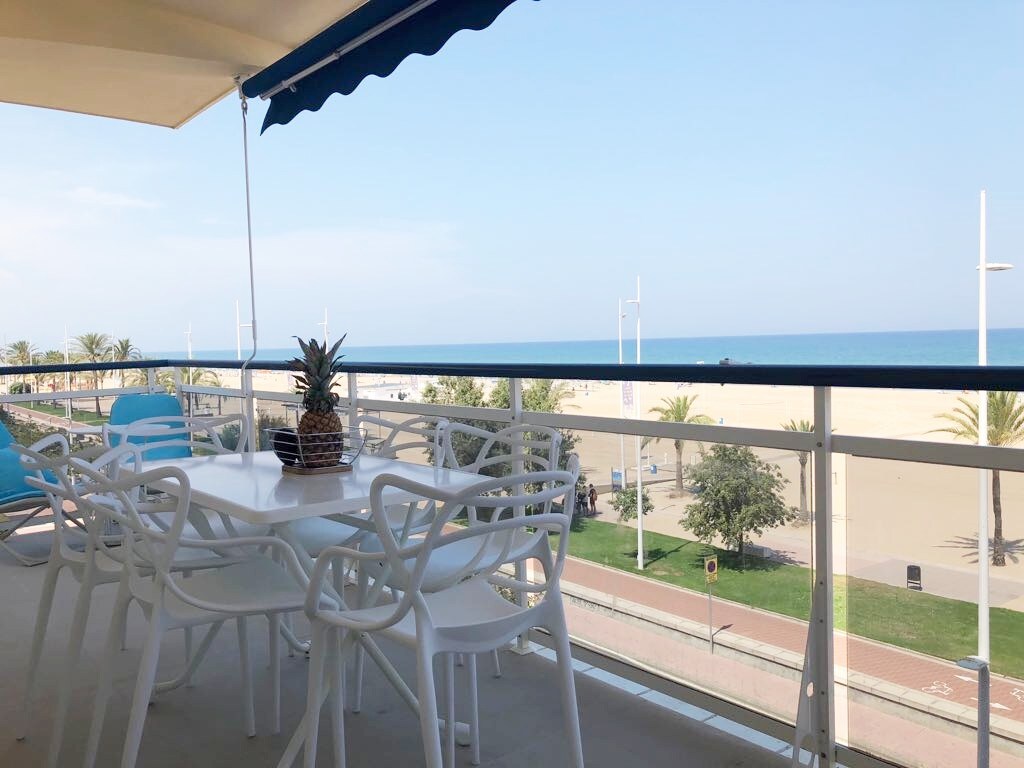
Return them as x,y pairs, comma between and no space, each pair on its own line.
252,271
248,219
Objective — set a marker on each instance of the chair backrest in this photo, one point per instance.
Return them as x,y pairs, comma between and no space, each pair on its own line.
48,478
419,432
105,495
513,450
496,537
15,474
175,437
129,409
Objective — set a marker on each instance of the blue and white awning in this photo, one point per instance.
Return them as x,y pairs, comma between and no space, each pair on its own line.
371,40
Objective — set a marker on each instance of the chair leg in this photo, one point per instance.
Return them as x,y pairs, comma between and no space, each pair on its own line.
188,657
38,637
143,689
106,674
70,664
428,705
248,710
275,670
287,621
337,687
362,590
188,646
449,710
570,711
317,654
497,662
474,710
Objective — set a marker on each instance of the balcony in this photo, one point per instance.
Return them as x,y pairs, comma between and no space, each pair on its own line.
820,604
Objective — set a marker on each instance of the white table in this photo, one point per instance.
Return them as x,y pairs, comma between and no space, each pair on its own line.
253,488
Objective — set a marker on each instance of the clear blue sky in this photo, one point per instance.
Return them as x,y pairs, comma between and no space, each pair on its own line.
765,167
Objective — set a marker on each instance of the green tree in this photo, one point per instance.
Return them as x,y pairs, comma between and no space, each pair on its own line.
454,390
803,425
20,352
55,380
540,395
624,502
678,410
122,351
93,348
739,495
1005,428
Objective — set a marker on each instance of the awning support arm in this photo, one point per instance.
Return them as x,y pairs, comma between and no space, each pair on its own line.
368,35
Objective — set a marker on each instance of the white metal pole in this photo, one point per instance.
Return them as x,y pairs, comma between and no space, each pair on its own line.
622,407
639,446
188,349
983,475
67,375
324,324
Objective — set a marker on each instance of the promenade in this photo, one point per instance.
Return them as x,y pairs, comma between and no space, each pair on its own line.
601,596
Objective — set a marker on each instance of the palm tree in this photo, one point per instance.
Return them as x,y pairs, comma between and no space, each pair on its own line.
20,353
122,350
1005,428
93,348
803,425
53,357
677,409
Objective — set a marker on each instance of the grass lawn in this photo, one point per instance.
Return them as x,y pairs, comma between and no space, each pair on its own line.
921,622
85,417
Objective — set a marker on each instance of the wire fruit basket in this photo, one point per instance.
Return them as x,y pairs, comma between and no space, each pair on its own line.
317,453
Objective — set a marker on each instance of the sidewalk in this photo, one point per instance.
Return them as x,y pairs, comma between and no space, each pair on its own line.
912,671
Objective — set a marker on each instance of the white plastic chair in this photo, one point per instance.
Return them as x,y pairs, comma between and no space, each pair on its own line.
419,433
72,550
253,587
466,614
509,451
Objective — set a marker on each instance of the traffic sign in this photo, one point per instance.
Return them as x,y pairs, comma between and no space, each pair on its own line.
711,569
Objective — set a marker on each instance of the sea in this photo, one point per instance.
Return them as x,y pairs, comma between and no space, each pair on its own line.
950,347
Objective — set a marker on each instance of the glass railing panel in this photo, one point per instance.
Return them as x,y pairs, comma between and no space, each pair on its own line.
906,543
397,387
904,414
658,617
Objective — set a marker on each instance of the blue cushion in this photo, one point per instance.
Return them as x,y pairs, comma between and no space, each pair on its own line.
5,436
12,479
129,408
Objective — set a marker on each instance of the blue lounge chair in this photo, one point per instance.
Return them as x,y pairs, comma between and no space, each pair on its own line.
131,408
17,498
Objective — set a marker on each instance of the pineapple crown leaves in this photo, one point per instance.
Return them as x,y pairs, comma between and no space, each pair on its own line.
318,367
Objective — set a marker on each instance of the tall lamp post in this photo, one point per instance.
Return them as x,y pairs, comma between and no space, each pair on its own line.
239,325
639,444
622,406
324,324
984,267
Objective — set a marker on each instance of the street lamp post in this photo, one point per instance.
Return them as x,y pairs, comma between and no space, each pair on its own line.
984,267
622,406
239,325
324,324
639,444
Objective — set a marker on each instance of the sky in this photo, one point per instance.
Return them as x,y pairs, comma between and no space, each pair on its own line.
783,167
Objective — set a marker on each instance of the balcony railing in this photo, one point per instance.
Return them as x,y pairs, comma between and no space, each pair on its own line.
863,693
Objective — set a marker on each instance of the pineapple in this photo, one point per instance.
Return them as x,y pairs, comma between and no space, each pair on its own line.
319,434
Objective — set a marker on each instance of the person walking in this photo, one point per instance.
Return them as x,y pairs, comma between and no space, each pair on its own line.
592,496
